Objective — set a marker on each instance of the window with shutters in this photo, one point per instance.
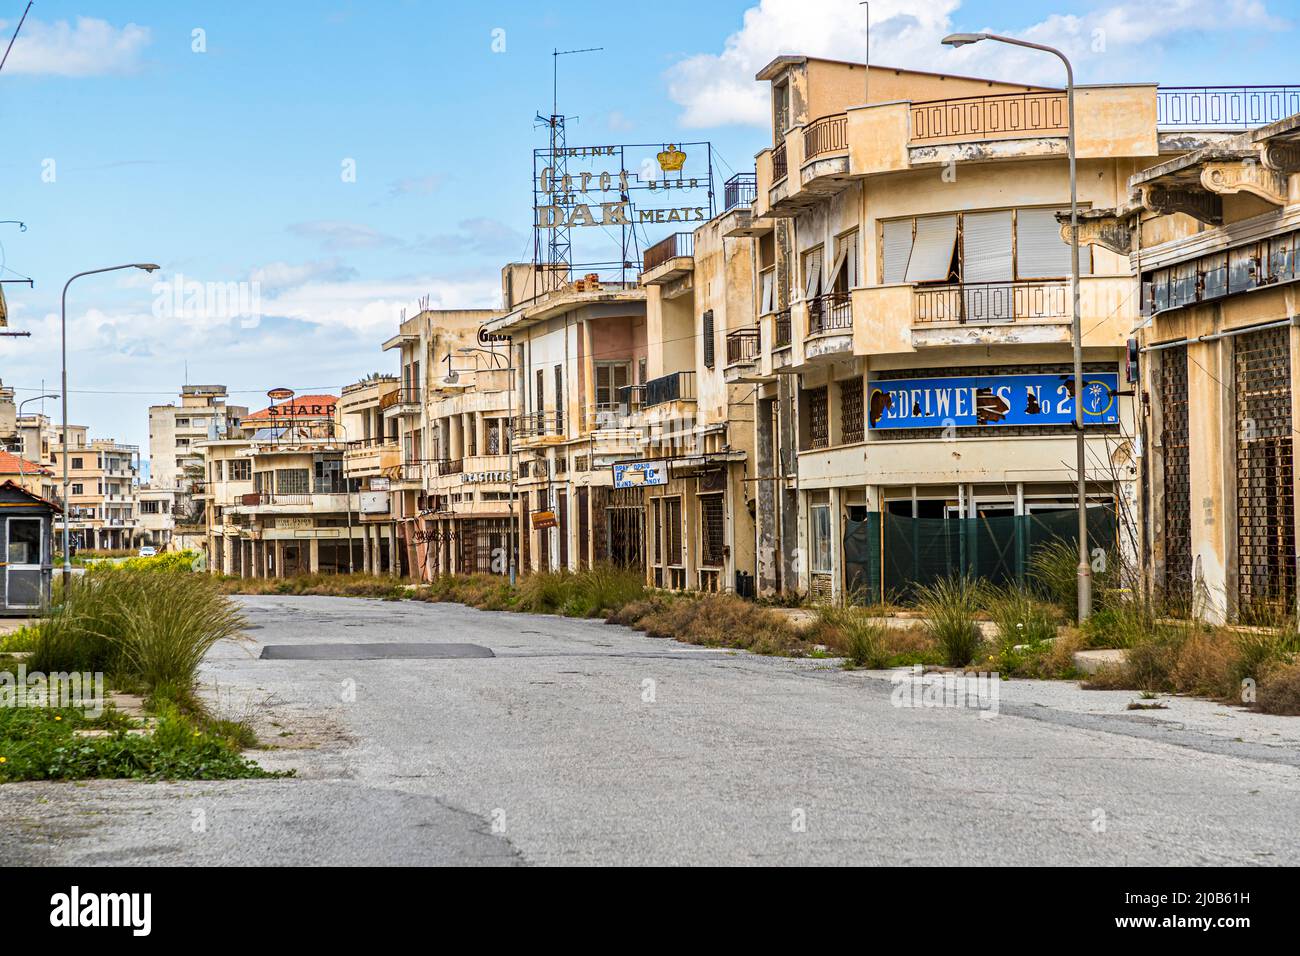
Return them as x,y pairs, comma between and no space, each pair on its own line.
493,430
812,273
984,247
766,283
610,378
709,344
844,271
559,399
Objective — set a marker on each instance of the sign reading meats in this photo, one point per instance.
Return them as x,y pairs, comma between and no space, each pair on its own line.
991,400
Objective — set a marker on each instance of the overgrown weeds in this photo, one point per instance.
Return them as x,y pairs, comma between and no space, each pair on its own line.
949,606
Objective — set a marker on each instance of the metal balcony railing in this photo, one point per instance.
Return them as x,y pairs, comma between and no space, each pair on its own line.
830,312
679,244
990,117
608,415
739,190
445,466
366,444
674,387
1224,107
829,134
781,337
742,346
401,396
538,425
778,164
990,303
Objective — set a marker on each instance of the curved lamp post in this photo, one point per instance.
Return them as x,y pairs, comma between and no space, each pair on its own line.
1085,569
63,326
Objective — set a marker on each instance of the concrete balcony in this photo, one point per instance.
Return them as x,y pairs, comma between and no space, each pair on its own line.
539,429
830,327
368,457
271,503
904,318
402,402
744,346
671,259
1110,121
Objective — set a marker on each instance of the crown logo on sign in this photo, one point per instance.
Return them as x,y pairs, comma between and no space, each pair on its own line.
672,159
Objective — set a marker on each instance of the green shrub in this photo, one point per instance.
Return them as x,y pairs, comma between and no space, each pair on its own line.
154,628
599,590
544,592
851,632
949,606
1019,618
38,743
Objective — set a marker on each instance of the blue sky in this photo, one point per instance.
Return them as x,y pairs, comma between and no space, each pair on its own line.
226,165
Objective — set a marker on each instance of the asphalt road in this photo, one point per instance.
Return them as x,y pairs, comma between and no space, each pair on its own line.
577,743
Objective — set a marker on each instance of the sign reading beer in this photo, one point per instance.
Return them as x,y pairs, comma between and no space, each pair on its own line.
593,186
991,400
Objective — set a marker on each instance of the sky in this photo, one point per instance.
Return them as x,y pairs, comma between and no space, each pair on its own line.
347,159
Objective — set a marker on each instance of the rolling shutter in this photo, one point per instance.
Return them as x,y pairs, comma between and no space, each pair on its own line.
898,249
986,247
936,237
1041,253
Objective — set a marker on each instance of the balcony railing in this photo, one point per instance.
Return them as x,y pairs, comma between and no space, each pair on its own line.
366,444
607,415
739,190
829,134
677,386
1224,107
781,337
445,466
679,244
778,164
830,312
538,425
990,117
742,346
401,396
990,303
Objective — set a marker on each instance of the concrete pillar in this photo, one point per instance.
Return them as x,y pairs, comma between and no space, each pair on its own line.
313,555
1211,458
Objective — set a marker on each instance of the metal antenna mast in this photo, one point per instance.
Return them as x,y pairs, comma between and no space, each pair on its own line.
559,246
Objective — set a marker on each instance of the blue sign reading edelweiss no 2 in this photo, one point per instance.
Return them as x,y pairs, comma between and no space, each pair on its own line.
992,400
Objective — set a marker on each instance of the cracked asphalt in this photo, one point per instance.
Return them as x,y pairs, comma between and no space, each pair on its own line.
582,743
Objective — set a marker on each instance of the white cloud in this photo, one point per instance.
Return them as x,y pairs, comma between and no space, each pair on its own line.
90,47
339,236
481,235
279,276
1115,44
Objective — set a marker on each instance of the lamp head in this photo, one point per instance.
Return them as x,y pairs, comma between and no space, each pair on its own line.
963,39
147,266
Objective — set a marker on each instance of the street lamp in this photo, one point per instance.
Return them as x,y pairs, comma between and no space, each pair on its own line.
510,454
63,327
1085,570
22,462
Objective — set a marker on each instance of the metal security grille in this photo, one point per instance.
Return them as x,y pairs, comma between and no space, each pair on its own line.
819,433
1266,574
584,526
852,422
1177,492
712,531
672,531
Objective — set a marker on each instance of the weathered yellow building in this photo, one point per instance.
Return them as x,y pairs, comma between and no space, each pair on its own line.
1218,248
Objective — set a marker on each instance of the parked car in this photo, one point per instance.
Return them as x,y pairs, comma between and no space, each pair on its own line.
148,552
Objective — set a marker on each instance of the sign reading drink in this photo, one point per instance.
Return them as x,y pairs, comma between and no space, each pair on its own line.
991,400
578,187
